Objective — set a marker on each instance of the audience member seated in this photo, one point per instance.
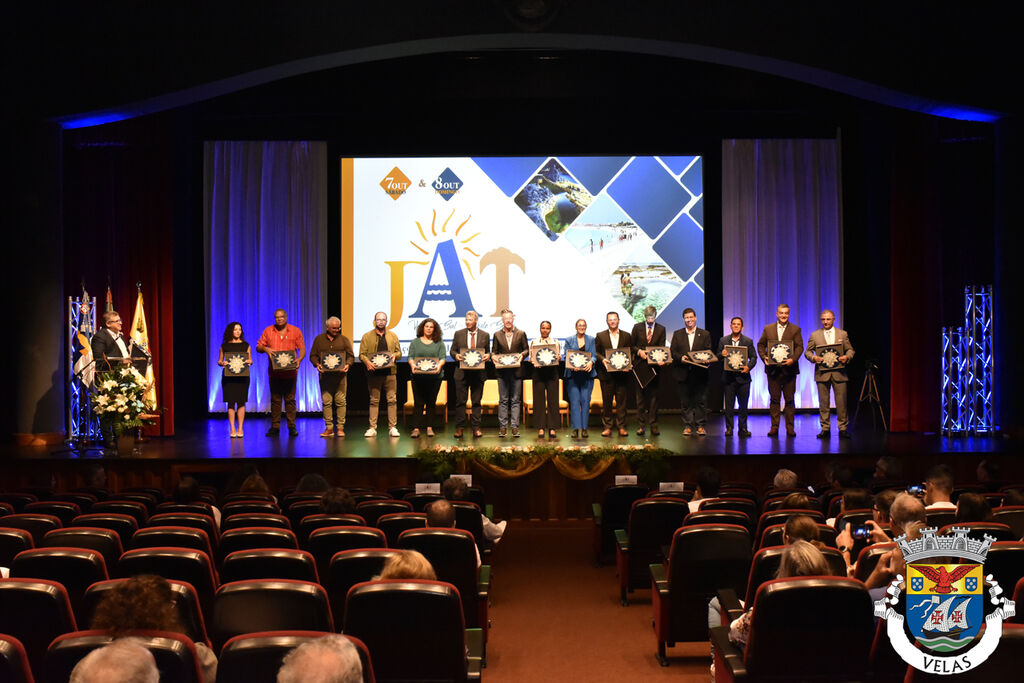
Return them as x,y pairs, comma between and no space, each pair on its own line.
312,483
889,468
907,516
883,502
785,479
708,483
408,564
146,602
797,501
973,507
331,659
337,501
853,499
125,660
990,475
455,489
938,488
188,491
255,483
238,476
441,515
799,559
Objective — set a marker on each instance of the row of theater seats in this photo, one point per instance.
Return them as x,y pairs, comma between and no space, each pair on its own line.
404,630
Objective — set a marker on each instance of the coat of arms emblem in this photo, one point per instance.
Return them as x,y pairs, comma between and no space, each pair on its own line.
945,608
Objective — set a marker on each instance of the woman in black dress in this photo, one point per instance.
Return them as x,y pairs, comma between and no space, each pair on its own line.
236,389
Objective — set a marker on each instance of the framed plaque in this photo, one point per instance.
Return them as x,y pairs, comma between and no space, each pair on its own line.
576,360
703,357
505,361
284,360
780,351
544,355
658,354
380,360
830,354
735,358
236,365
332,362
618,361
425,366
472,359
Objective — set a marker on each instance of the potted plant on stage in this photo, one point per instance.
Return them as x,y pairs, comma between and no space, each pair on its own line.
118,399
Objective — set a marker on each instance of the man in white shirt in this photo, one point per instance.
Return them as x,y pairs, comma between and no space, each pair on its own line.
938,488
613,383
830,370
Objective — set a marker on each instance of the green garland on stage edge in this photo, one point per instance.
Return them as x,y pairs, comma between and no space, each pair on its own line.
649,462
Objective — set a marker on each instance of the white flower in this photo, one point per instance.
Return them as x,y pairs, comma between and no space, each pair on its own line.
101,400
109,385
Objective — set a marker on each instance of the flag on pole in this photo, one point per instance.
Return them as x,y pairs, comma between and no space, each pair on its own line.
83,366
140,335
110,297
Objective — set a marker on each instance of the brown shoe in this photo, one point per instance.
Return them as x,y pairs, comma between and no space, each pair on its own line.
458,432
687,432
606,433
623,432
327,432
701,431
478,432
340,432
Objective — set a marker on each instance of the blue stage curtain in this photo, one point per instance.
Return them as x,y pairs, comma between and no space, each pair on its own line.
265,222
782,242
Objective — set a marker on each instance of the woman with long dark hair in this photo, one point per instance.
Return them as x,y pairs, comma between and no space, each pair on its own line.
235,389
425,386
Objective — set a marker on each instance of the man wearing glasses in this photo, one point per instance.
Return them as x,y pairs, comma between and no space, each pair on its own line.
830,372
109,347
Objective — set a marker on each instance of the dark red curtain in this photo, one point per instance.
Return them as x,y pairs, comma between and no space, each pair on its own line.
118,211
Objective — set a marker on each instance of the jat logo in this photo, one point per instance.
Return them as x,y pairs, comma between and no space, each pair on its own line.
446,184
395,183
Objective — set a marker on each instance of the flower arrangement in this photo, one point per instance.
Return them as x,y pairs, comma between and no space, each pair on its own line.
118,399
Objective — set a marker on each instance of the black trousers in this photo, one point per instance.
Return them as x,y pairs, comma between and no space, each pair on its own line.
647,403
734,391
424,399
613,386
693,399
545,401
471,385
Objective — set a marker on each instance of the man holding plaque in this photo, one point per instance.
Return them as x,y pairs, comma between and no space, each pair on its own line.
736,380
469,382
692,377
277,338
613,382
782,367
830,350
644,335
380,338
508,340
331,355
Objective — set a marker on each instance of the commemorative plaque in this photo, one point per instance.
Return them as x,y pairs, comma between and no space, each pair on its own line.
284,360
504,361
702,358
544,355
472,359
577,360
425,366
830,356
735,358
237,365
780,351
381,360
331,362
657,355
618,361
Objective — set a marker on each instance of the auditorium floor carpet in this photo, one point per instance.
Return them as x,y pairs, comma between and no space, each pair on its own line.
556,617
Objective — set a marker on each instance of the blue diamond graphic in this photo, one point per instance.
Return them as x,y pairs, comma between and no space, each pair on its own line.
446,184
649,194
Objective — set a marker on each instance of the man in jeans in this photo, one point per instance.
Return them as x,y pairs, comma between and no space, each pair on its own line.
282,337
380,338
331,355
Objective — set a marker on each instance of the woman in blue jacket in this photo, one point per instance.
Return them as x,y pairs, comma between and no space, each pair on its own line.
580,382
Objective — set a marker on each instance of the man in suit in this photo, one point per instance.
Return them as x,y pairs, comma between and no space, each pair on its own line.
834,376
613,383
109,347
469,382
645,334
509,339
692,379
781,376
736,384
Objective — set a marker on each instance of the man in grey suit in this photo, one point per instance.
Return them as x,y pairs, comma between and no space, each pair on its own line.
509,339
826,375
467,381
692,379
736,384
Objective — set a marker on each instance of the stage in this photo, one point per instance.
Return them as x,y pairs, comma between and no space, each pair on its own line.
204,449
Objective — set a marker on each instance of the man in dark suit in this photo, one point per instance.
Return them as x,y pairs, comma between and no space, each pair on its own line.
736,383
613,383
834,376
467,381
509,339
109,347
645,334
692,379
781,375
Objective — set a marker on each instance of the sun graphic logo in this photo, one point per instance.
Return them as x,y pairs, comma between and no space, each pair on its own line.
395,183
447,184
445,280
